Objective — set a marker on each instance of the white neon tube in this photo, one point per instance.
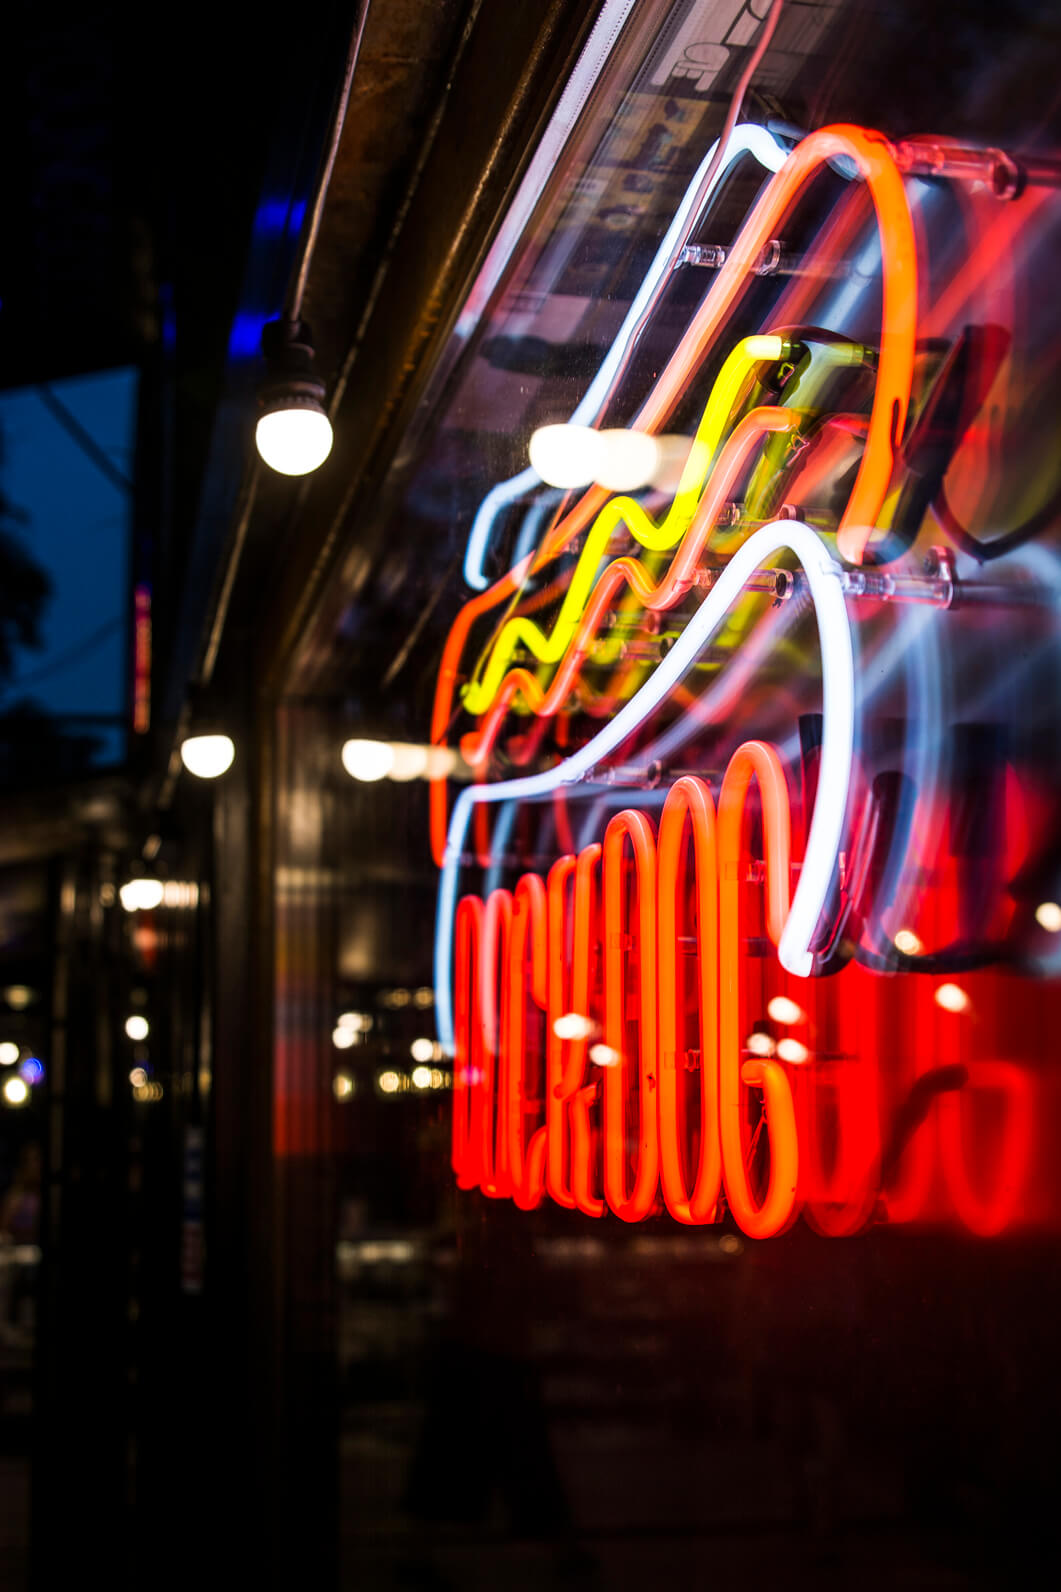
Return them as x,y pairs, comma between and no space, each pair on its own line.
837,750
744,139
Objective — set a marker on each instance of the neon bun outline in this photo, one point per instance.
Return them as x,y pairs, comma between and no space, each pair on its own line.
747,138
873,157
837,751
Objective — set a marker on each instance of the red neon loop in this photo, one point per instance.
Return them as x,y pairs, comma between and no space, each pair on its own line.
759,1219
689,801
526,1167
556,1176
494,999
631,1205
468,1060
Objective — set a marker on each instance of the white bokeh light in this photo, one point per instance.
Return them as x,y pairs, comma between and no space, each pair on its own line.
367,761
294,441
208,756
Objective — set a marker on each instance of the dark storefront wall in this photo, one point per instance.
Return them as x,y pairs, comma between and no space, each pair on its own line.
501,1396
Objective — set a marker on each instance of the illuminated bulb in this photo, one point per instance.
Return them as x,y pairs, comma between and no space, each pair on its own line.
628,460
783,1010
294,441
137,1027
18,996
908,943
572,1025
138,1077
952,998
1048,916
343,1038
409,762
441,762
760,1045
422,1077
792,1050
9,1053
388,1082
566,456
16,1092
604,1056
357,1022
207,756
367,760
141,895
343,1085
422,1050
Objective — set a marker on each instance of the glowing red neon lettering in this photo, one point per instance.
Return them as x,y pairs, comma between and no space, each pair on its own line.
688,803
529,919
635,1203
758,1218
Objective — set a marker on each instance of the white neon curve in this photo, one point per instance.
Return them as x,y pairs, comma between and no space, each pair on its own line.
838,739
745,139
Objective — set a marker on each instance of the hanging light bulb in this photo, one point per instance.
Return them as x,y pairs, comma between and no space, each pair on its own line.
294,434
207,756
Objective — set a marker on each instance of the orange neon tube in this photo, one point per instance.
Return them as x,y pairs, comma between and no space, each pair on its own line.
688,803
759,1219
529,920
631,1205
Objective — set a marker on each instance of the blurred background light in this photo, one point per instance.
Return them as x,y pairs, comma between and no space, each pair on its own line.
952,998
760,1045
908,943
566,455
572,1025
784,1010
343,1085
16,1091
344,1038
137,1027
141,894
208,756
9,1053
604,1056
367,760
1048,916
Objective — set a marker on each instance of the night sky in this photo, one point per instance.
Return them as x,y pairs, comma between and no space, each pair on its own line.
75,524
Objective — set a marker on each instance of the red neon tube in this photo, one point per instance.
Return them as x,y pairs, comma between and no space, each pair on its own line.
529,920
493,1008
468,1037
631,1205
688,804
759,1219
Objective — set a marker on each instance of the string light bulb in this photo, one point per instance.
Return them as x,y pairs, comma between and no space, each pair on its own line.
294,434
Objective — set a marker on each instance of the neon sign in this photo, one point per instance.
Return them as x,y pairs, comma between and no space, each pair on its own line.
569,1000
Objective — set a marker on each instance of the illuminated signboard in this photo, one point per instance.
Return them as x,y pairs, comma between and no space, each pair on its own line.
725,789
